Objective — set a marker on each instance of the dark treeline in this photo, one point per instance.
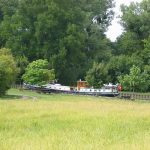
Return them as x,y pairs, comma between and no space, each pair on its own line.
70,34
61,32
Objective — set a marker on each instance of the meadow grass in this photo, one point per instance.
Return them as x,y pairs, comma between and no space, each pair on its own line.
72,122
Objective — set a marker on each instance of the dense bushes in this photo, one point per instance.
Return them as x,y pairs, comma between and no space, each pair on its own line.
8,70
135,80
38,73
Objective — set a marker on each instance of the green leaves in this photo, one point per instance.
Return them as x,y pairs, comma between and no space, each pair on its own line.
8,70
57,31
38,73
134,45
135,80
97,75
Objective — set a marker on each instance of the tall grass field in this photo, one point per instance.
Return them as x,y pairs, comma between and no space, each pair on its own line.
31,121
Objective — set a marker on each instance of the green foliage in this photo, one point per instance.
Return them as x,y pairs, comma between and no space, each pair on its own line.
136,22
147,71
8,70
46,29
120,65
97,75
70,61
129,43
145,54
135,80
38,73
134,45
22,63
135,18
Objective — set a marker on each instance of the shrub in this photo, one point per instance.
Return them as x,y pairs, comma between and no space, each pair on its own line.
38,73
8,70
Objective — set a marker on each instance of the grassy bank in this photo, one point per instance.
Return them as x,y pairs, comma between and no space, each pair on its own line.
31,121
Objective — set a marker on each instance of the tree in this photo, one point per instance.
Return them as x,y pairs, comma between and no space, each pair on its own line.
22,63
97,75
38,73
120,65
135,80
147,71
134,45
8,70
129,43
145,54
46,29
71,60
135,20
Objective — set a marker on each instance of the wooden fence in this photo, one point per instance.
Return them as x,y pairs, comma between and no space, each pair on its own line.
134,96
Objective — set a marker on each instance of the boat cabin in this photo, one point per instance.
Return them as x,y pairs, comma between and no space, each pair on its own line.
81,85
